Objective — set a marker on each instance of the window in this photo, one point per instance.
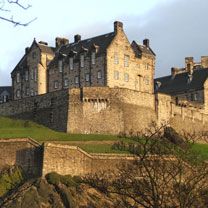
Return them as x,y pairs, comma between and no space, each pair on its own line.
18,77
116,75
87,77
34,55
60,65
76,80
93,58
35,74
146,66
126,60
116,59
66,82
99,75
194,97
146,80
32,73
32,93
82,60
55,84
5,98
27,92
18,93
126,77
26,75
71,63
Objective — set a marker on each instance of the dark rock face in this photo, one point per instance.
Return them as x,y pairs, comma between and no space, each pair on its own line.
172,136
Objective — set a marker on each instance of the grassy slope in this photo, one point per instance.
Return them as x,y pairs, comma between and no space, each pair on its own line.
11,128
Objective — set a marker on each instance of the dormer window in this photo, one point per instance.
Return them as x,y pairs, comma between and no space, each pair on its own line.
82,60
190,77
60,65
71,63
93,57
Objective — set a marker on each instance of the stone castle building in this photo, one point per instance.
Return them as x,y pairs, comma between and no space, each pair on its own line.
106,60
105,84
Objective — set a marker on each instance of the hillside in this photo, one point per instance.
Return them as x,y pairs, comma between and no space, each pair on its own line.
40,194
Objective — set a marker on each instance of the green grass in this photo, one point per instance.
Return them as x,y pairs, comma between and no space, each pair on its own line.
100,148
202,150
12,128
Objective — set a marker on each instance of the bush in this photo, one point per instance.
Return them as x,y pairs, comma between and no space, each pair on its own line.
53,178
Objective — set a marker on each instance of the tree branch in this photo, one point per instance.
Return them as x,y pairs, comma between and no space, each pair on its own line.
3,8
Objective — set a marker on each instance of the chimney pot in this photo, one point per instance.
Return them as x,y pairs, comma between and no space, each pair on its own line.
77,38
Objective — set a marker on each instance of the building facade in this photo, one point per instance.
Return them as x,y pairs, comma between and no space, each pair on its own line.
105,60
29,77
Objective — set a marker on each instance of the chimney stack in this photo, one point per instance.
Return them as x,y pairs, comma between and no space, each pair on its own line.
118,26
204,61
27,50
146,42
61,41
189,64
77,38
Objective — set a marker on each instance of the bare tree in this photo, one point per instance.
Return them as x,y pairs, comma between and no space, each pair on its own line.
164,175
6,12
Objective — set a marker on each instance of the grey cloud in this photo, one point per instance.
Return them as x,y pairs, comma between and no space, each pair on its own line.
176,30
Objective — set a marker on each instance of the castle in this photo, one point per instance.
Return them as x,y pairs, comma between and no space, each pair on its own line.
105,84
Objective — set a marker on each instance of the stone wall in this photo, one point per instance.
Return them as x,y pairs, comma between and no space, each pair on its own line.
110,110
87,110
50,109
65,159
22,152
182,118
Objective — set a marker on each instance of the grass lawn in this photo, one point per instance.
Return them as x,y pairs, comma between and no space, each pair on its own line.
12,128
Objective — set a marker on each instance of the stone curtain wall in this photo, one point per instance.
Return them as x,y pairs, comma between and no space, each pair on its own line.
50,109
65,159
189,119
110,110
22,152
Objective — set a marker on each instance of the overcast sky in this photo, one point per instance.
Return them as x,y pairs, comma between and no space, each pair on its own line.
176,28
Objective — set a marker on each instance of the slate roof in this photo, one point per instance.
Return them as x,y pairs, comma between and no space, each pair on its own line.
141,49
6,88
100,42
180,83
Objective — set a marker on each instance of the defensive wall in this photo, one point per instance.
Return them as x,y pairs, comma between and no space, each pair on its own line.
87,110
24,152
38,160
192,119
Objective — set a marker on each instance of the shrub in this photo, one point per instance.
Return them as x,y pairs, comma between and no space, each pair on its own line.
53,178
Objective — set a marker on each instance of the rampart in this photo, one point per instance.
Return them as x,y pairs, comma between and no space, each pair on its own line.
65,159
192,119
37,160
87,110
26,153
